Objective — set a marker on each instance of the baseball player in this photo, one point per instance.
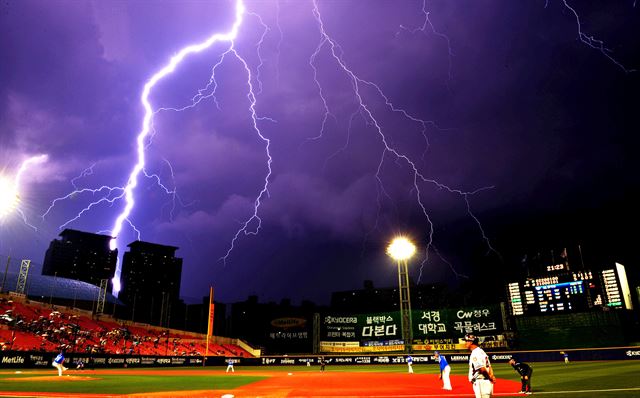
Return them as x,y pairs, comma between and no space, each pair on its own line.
445,369
230,366
58,362
480,371
525,371
410,363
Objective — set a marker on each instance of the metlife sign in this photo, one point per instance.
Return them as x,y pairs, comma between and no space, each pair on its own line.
21,359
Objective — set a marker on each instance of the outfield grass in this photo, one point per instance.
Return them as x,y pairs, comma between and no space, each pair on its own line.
555,377
577,379
127,384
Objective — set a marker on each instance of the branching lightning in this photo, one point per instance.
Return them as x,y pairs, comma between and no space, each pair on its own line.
247,228
388,148
252,225
592,42
423,29
86,172
147,121
126,192
110,195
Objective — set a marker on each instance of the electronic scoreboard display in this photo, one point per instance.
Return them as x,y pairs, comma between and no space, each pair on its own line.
562,291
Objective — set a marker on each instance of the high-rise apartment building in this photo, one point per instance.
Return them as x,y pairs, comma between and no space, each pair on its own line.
150,281
81,256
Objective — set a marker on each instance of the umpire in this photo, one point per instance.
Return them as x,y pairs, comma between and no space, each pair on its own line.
525,371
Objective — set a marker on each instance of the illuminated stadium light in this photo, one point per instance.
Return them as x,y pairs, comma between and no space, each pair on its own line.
9,198
401,249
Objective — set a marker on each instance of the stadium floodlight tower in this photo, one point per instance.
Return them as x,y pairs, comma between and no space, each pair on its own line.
402,249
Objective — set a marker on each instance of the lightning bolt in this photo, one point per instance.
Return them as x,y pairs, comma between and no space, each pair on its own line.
109,195
252,225
86,172
365,109
147,123
423,29
592,42
247,228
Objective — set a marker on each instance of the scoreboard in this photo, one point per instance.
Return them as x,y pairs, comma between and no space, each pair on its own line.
562,291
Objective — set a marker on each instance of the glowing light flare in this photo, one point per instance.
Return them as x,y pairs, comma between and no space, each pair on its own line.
10,190
401,249
9,198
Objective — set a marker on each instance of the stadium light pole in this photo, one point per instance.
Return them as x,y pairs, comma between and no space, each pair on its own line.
6,269
401,250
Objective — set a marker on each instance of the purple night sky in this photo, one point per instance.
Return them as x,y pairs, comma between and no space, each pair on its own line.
499,94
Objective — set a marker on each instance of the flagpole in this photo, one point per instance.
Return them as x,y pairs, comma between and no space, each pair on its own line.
209,324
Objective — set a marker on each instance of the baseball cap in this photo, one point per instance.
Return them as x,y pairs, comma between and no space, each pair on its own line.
471,337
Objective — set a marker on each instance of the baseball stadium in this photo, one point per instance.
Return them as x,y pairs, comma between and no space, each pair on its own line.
293,351
319,198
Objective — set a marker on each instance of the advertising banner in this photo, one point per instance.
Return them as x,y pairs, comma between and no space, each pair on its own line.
431,326
456,322
355,349
23,360
619,353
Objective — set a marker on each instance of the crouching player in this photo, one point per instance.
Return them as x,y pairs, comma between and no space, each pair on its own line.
525,371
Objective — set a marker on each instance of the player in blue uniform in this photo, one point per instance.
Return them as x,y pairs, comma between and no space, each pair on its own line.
230,365
58,363
445,369
410,363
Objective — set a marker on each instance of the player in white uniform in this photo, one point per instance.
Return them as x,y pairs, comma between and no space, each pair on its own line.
480,372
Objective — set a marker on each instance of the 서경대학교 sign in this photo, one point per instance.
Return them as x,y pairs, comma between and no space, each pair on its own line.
447,323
